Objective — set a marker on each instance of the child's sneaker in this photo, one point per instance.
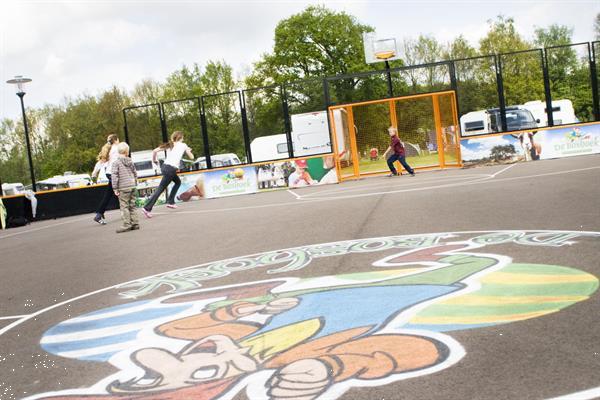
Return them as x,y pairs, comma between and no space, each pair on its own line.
99,219
172,206
146,213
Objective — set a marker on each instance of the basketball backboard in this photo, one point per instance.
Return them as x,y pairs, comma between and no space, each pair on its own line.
379,50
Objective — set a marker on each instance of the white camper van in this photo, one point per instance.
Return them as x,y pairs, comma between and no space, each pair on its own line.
68,180
142,160
217,160
10,189
562,112
488,121
476,123
310,136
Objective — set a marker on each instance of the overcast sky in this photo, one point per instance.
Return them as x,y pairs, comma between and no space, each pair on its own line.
73,47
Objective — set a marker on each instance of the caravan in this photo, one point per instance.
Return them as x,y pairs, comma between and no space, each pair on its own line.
526,116
488,121
11,189
310,136
562,112
66,181
142,160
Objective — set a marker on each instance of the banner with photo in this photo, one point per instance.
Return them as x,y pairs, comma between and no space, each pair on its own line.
296,173
531,146
569,142
245,180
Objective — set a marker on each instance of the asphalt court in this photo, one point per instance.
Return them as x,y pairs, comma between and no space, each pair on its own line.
487,276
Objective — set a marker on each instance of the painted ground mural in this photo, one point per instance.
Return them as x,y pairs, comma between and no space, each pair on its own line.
318,337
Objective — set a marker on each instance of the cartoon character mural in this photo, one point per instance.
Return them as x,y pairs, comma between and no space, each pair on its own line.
289,339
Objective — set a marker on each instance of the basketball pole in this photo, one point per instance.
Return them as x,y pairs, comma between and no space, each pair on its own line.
389,79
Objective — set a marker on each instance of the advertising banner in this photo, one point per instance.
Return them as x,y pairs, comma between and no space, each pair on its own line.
491,150
569,142
297,173
230,182
245,180
531,146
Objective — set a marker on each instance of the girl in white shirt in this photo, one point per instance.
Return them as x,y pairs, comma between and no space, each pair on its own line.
175,150
105,158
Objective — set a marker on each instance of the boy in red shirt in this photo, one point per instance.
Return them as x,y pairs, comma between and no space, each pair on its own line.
398,153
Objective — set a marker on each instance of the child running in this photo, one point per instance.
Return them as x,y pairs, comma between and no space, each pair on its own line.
124,181
108,154
175,150
397,149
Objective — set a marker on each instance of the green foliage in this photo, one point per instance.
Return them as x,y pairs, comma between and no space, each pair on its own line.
317,42
502,37
502,152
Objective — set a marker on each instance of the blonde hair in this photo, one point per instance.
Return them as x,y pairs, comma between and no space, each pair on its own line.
105,151
123,148
175,137
393,128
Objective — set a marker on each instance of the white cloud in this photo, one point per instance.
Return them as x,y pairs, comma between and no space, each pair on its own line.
54,66
489,142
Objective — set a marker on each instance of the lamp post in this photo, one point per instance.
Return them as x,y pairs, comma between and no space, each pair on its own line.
19,81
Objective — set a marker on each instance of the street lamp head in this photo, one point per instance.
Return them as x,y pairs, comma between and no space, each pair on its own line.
20,82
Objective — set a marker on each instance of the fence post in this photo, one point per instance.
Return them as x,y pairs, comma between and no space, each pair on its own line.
204,129
500,86
125,130
594,80
547,91
245,130
327,101
453,82
163,123
286,121
435,99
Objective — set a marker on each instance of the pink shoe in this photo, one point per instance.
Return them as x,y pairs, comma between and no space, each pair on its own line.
173,206
146,213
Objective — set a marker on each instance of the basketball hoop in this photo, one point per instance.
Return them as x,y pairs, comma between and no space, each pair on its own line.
384,54
378,50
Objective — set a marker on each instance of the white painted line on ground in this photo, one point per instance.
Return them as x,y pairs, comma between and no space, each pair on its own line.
43,227
15,316
583,395
473,182
502,170
293,194
399,182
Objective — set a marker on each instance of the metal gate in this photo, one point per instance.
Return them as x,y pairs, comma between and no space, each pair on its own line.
427,125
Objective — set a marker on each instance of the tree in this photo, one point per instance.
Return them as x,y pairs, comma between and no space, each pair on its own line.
459,49
424,50
502,152
502,37
522,72
597,26
314,43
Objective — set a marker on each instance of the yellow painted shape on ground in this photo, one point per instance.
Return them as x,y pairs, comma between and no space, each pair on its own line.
535,279
476,300
462,320
280,339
